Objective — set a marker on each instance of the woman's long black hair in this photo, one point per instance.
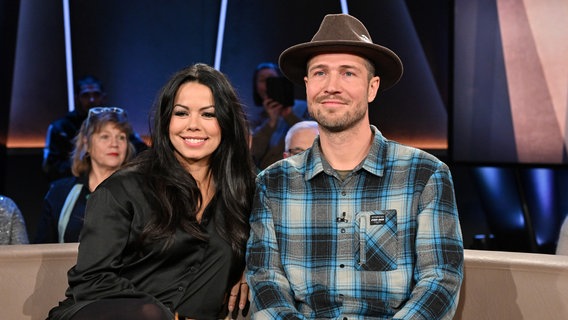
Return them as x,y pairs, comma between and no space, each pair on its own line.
175,191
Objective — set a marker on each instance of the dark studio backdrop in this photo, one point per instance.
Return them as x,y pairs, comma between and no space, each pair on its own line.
134,46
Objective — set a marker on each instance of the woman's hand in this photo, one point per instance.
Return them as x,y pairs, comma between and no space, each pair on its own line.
239,292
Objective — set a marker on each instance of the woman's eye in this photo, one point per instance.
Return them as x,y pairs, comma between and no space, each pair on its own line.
209,114
122,138
180,113
104,136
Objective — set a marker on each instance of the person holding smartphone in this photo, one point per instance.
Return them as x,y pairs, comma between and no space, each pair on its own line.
281,111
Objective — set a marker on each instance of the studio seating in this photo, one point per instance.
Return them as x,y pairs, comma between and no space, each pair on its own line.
497,285
33,278
512,285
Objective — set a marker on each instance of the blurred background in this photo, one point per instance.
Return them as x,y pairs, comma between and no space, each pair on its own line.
485,87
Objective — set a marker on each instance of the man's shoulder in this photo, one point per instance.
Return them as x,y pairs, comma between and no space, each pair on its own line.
69,121
402,155
400,150
294,167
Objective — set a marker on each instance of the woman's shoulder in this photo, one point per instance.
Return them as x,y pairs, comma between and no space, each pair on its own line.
63,184
129,177
59,190
124,187
7,204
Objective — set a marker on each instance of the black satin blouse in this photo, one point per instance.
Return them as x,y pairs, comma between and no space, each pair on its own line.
191,277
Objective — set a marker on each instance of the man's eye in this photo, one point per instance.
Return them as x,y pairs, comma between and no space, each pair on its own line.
349,73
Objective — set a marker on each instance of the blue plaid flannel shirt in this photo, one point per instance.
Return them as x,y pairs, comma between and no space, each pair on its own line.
384,243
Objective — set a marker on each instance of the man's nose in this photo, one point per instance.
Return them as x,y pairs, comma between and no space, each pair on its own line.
331,85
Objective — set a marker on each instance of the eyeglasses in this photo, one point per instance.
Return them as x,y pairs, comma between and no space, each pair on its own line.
99,110
295,151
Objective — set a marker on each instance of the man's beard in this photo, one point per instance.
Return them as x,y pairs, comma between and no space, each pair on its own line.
339,124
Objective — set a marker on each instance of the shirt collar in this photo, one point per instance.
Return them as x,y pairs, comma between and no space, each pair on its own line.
374,163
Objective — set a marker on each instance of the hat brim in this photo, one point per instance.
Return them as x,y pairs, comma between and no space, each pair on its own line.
293,61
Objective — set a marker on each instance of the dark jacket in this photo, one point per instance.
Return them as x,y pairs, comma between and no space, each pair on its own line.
47,228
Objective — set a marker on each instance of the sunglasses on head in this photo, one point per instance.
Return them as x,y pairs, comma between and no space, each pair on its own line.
99,110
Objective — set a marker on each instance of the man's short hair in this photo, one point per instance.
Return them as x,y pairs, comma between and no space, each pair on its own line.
88,80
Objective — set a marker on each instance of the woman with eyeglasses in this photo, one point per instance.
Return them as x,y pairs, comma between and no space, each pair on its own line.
101,148
165,236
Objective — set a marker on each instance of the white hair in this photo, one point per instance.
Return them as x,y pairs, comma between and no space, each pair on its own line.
306,124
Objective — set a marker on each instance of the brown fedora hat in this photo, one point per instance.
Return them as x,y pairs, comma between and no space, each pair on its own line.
341,33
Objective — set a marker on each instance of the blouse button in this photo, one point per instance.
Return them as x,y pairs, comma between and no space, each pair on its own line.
343,193
342,230
342,265
180,288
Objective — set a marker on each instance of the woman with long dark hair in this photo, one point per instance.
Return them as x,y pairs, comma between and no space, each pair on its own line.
167,234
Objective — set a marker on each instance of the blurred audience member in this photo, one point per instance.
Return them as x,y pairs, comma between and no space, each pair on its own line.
101,147
562,245
89,93
276,118
12,223
300,137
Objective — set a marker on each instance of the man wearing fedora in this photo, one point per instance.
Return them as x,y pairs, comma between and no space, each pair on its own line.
358,226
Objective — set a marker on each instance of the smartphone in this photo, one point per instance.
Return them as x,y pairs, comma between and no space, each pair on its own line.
280,89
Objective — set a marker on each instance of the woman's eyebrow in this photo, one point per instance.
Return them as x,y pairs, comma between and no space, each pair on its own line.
200,108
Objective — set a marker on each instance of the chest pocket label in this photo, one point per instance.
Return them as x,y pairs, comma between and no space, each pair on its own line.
377,219
377,240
